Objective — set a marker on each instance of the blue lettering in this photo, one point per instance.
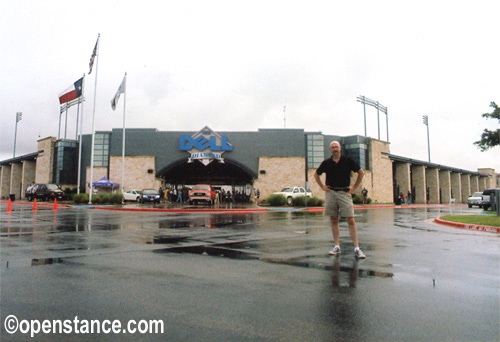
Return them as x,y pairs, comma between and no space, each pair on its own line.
213,144
201,143
225,146
185,143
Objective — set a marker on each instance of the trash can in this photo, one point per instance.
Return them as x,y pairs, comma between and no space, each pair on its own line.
12,197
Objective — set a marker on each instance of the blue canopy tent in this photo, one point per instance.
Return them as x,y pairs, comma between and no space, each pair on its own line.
105,184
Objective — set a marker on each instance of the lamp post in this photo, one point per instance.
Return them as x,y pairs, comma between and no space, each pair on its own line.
426,122
19,117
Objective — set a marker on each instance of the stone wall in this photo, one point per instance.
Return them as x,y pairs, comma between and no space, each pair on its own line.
456,187
45,160
403,177
432,183
139,172
490,181
29,174
381,178
16,179
445,186
5,181
474,184
280,172
465,187
418,182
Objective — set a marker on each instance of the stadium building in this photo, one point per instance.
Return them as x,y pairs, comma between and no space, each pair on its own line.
267,159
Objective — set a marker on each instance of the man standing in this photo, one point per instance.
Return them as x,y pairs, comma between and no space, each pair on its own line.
364,192
338,199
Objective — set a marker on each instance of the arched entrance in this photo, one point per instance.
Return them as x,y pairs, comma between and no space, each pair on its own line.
228,173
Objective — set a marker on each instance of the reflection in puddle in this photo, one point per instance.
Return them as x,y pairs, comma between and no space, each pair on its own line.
46,261
33,262
212,251
159,240
326,267
354,271
69,249
211,221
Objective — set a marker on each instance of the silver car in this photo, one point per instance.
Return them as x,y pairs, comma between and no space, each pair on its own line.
132,195
475,199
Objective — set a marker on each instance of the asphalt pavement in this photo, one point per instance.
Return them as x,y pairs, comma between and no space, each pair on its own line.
248,276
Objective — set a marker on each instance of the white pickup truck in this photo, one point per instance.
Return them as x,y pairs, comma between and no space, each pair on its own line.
292,192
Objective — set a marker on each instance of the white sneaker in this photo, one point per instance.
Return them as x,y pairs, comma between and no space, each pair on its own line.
358,253
335,251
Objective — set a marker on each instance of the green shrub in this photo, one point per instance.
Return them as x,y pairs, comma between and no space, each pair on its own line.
116,199
81,198
357,199
302,201
100,198
299,201
96,199
314,202
276,200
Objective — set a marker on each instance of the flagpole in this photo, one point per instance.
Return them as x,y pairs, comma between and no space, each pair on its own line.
59,130
93,123
66,122
80,144
77,118
123,137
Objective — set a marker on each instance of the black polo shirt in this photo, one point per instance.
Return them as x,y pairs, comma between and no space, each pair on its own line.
338,175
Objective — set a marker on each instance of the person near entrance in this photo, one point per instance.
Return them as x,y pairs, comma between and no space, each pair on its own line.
338,199
364,192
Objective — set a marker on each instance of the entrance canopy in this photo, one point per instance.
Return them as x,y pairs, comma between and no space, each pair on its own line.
228,173
104,183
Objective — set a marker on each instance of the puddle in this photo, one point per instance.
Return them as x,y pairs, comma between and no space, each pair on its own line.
240,255
69,249
33,262
212,251
328,267
160,240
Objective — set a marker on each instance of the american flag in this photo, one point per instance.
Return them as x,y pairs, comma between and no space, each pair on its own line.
94,54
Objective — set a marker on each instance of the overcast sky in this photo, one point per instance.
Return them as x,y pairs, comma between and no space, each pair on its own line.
234,65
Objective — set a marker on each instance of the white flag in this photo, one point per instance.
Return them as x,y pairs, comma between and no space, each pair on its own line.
121,90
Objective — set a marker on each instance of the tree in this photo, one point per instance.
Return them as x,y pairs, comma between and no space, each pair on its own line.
489,138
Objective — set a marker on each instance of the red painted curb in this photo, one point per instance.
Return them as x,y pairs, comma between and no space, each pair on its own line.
475,227
39,204
389,206
216,211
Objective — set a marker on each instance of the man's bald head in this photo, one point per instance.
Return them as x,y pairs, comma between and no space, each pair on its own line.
335,148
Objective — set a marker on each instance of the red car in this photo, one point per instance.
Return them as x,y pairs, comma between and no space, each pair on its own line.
202,193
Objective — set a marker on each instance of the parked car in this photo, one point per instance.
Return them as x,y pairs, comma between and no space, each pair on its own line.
202,193
475,199
292,192
132,195
149,195
44,192
487,198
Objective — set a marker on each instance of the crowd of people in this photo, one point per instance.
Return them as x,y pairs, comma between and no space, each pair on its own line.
181,195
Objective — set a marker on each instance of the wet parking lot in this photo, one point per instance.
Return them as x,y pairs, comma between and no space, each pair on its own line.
262,276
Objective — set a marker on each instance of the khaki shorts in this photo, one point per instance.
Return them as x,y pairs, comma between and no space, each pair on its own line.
338,203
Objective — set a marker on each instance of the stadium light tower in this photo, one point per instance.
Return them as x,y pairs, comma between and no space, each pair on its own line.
19,117
426,122
366,101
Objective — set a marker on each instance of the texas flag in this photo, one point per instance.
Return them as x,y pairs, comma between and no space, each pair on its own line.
72,93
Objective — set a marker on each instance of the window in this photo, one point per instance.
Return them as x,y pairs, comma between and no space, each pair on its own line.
101,149
315,150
